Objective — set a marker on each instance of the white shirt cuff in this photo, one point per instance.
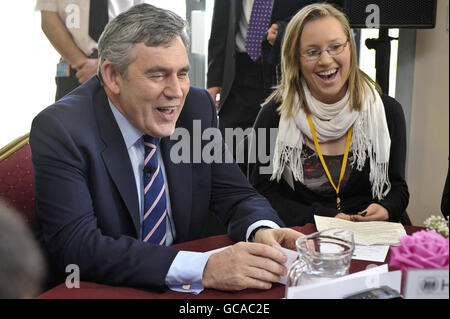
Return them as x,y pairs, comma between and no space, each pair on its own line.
186,272
260,223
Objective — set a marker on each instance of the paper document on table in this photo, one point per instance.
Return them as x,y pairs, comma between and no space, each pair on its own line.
291,256
366,233
371,253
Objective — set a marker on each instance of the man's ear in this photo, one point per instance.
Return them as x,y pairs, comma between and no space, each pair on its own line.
111,77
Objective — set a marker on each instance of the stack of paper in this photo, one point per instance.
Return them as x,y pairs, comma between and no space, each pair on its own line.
366,233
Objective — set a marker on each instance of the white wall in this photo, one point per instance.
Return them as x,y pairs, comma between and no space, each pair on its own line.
27,84
429,136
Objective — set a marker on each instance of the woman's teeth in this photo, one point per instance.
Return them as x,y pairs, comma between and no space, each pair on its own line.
327,74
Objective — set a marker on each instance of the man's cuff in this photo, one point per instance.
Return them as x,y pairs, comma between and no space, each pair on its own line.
186,272
193,288
258,224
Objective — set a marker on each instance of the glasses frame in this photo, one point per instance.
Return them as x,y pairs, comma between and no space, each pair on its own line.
312,58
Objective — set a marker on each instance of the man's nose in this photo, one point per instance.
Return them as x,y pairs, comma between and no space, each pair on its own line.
173,88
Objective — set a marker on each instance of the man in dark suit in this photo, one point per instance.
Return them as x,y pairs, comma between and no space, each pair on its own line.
88,155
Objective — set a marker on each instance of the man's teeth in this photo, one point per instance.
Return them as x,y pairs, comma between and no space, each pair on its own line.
167,109
326,73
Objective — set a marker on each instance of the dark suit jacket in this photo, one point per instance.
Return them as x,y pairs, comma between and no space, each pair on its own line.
86,199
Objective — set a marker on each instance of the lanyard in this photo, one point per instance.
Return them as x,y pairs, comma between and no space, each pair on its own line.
344,161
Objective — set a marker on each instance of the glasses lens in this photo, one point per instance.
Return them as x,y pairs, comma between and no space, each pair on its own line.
313,56
336,48
333,50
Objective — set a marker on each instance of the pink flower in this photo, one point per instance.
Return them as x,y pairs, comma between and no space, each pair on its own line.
424,249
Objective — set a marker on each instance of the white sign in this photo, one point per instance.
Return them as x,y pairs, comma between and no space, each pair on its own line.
426,284
348,285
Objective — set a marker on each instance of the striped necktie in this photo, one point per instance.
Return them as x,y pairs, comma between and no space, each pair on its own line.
257,27
155,213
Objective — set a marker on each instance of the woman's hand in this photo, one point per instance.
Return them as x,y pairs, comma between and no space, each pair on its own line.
344,216
371,213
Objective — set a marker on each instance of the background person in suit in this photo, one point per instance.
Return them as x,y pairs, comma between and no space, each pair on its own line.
73,28
243,83
22,266
88,155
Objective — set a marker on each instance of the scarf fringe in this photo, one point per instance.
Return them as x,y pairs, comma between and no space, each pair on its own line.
363,146
285,154
360,142
378,177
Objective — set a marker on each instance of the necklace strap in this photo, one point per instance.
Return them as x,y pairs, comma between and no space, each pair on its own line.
324,165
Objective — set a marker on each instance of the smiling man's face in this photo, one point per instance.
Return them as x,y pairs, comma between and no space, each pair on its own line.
152,94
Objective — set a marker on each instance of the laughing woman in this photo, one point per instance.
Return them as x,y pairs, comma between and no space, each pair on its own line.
341,145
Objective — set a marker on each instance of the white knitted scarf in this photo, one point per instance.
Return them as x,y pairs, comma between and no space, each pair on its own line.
332,121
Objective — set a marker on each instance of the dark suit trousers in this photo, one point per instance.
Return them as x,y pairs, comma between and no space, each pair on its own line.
65,84
247,93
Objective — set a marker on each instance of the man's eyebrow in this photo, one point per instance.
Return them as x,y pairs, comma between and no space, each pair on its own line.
158,68
186,68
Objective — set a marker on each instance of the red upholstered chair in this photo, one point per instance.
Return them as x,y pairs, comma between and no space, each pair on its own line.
16,177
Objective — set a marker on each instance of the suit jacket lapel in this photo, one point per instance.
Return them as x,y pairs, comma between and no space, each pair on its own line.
179,181
115,156
236,9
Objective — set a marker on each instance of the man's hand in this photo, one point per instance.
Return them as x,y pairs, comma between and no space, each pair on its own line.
272,33
284,237
214,91
86,69
244,265
371,213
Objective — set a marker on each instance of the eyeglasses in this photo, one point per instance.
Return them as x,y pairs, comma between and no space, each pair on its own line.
332,50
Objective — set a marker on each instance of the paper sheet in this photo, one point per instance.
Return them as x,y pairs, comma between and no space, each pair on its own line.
375,253
291,257
366,233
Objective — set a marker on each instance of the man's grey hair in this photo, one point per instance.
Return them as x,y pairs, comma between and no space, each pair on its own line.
141,23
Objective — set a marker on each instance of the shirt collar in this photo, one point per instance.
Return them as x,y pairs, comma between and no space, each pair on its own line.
130,133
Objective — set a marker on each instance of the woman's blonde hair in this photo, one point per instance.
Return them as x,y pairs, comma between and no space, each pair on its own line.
291,84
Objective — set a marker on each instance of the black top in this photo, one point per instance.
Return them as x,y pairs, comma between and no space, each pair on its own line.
444,200
298,207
